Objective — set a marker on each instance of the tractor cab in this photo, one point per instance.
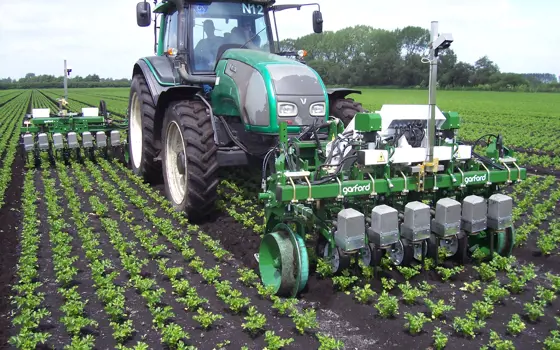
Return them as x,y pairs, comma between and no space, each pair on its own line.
212,28
209,28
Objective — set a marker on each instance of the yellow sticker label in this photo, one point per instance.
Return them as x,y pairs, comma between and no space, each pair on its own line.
381,159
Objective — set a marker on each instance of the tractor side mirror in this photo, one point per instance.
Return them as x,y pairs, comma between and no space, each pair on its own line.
143,14
317,22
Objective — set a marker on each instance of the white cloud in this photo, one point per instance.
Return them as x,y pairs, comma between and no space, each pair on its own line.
102,36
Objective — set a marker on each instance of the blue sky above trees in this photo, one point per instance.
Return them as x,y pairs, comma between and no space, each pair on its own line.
101,36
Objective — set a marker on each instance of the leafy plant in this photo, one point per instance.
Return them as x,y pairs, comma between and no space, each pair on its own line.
440,338
329,343
545,294
206,318
247,276
486,271
284,306
497,343
275,342
254,321
471,287
387,305
468,325
305,320
345,281
415,323
502,263
535,310
483,308
324,268
438,309
172,334
388,284
494,292
552,341
515,325
447,273
410,293
409,272
364,294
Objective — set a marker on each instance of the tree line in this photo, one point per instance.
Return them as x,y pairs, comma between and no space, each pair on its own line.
366,56
45,81
363,56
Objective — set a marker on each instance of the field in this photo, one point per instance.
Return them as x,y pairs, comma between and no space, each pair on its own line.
92,257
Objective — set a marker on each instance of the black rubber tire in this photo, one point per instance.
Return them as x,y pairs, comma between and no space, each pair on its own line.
377,255
462,251
345,109
103,108
201,156
149,169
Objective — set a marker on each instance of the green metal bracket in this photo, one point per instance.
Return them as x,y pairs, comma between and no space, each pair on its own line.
452,121
367,122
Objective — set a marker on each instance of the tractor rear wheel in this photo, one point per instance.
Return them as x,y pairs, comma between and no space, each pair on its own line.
345,109
190,164
141,113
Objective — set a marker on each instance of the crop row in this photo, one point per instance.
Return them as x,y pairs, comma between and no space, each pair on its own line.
11,116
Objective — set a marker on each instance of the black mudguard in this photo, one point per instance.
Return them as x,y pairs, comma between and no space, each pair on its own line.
159,76
164,85
337,93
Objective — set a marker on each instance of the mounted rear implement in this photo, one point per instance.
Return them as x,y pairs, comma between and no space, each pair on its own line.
69,135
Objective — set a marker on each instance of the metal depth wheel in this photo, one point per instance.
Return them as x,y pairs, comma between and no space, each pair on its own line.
401,253
418,248
366,255
339,260
283,262
336,258
450,243
372,255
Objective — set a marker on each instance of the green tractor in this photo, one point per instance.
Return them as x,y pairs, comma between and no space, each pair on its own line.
358,185
216,92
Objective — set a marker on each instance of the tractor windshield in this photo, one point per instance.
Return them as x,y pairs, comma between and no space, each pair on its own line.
230,24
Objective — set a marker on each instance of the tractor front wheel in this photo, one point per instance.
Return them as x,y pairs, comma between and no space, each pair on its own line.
189,158
345,109
141,113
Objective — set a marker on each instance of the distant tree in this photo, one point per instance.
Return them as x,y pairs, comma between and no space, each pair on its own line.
362,56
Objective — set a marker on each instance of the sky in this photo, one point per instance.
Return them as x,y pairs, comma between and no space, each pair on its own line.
101,37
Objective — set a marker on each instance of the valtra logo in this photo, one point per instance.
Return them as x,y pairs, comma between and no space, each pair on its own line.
475,178
356,188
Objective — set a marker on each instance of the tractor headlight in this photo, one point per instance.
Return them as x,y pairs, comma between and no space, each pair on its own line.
286,109
317,109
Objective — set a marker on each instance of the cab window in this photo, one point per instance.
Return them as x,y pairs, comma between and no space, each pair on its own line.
170,39
218,24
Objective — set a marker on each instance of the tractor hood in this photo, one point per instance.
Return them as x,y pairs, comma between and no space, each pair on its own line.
271,89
